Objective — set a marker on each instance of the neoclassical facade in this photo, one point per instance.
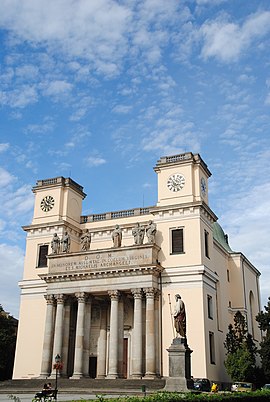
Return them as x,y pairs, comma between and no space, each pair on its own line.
99,290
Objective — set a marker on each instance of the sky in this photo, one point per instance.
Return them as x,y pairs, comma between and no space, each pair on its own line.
98,90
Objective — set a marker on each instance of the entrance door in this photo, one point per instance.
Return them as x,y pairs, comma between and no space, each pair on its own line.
125,357
92,366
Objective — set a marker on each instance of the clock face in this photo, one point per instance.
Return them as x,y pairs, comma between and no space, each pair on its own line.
47,203
176,182
203,186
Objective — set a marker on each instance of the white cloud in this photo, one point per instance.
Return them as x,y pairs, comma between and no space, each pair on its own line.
122,109
247,219
227,40
41,128
11,268
94,161
56,88
17,202
4,147
19,97
5,177
93,30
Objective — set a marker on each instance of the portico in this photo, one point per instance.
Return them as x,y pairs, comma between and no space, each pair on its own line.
117,329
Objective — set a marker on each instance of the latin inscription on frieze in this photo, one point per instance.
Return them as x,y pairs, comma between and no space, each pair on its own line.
101,260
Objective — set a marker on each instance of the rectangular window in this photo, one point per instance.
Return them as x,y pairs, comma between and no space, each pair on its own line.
177,241
212,348
228,275
210,307
42,256
206,243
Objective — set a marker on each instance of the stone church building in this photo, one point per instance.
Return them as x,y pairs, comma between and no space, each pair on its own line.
99,290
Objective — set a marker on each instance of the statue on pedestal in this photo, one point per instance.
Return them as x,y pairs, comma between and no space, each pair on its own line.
179,317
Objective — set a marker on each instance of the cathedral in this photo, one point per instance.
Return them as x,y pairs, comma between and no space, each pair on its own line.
99,290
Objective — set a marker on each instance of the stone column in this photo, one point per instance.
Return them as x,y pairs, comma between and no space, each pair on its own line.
120,337
66,337
58,330
113,347
150,345
137,335
46,363
157,331
86,341
78,358
102,344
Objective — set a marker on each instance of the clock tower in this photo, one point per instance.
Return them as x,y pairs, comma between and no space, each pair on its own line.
182,179
57,199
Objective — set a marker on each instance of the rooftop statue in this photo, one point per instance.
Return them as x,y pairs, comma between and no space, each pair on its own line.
55,244
65,243
151,230
117,236
138,233
85,241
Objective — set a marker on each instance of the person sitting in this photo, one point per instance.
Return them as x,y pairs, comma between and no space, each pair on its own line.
44,392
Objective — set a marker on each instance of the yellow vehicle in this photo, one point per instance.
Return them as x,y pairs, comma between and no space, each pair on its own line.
242,387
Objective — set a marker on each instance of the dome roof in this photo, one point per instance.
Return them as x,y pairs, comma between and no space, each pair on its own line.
221,237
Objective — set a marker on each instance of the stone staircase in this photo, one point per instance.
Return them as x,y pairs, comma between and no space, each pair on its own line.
85,385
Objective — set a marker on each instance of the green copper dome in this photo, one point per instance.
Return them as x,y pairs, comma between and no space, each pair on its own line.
221,237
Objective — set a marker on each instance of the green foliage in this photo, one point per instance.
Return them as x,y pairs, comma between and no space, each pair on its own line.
241,351
263,319
7,344
240,365
258,396
14,398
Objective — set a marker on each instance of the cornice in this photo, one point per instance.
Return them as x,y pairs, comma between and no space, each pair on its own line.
59,223
154,270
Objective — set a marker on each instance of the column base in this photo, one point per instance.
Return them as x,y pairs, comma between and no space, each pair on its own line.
112,376
100,377
136,376
76,376
150,376
44,376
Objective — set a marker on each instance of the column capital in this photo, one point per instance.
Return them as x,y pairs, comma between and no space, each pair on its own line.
60,298
137,293
49,299
157,294
149,292
81,297
114,294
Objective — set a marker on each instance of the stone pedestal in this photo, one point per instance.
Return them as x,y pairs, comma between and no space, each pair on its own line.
179,366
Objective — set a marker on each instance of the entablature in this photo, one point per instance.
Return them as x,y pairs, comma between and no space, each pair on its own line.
109,262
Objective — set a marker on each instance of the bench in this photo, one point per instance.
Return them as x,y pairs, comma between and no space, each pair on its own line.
46,396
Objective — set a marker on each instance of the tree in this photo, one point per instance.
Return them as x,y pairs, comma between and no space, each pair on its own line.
8,334
263,319
241,351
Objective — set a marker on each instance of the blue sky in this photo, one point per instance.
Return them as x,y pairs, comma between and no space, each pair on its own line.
99,90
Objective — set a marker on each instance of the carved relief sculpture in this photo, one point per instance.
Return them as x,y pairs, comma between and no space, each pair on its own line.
138,234
85,241
55,244
117,236
151,230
